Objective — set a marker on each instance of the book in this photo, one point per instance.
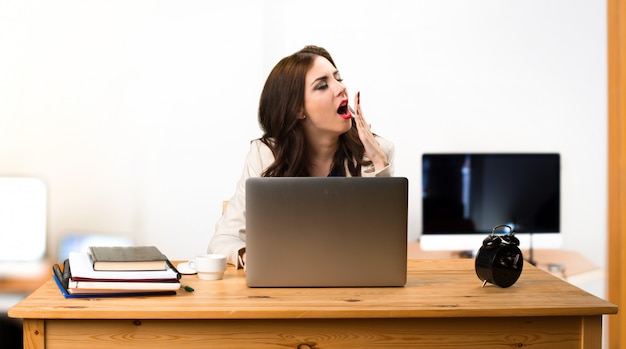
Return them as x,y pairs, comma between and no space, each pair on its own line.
127,258
62,279
82,269
75,286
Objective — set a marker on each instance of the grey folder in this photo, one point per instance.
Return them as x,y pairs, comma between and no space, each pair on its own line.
326,232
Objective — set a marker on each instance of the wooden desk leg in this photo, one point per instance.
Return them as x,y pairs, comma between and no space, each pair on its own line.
34,334
592,332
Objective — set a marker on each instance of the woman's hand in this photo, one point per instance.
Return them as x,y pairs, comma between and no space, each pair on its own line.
242,260
372,149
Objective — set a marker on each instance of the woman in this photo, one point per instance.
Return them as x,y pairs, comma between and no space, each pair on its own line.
309,131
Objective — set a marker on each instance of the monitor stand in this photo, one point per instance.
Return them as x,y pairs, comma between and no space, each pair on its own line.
531,258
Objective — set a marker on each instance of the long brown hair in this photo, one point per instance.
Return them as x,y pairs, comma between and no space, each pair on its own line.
281,101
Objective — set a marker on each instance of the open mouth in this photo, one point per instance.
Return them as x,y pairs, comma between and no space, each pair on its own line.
344,110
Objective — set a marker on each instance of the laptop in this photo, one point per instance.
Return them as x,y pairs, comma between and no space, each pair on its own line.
326,232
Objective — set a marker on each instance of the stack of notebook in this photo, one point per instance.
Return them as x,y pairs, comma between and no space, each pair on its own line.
117,271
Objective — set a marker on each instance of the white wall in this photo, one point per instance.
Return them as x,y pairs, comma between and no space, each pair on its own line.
137,114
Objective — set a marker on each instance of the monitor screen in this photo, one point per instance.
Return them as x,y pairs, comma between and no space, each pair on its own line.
464,194
23,219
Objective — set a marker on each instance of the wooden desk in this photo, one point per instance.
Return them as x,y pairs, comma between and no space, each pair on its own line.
442,305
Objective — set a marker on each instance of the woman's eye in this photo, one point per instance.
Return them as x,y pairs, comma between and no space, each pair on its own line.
321,86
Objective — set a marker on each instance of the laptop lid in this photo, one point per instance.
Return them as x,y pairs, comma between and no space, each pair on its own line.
326,232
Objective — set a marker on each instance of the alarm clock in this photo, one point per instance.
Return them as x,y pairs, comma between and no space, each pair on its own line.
499,260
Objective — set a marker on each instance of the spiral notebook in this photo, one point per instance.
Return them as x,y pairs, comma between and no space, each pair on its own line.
326,232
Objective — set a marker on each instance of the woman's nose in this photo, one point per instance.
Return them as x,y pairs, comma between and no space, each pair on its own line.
341,89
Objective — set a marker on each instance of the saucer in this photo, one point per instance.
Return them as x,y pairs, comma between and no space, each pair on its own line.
184,268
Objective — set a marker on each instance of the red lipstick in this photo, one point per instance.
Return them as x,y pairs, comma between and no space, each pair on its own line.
344,110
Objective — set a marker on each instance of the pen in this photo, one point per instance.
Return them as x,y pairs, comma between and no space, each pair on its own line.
187,288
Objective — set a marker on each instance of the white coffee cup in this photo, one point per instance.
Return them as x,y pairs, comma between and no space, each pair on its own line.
209,266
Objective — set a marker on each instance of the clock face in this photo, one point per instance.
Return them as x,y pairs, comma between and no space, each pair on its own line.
507,266
508,258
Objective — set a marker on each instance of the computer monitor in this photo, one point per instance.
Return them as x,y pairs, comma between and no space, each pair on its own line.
465,195
23,219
